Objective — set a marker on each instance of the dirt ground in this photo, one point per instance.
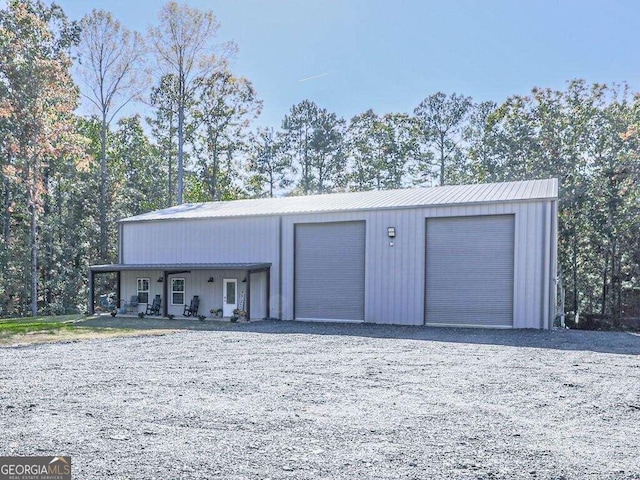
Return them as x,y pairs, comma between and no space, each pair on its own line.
30,338
293,400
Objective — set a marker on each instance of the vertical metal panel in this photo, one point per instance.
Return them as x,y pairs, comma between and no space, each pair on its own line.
118,287
395,283
522,306
532,242
120,240
544,267
553,297
201,241
92,277
165,290
529,278
279,270
258,295
329,269
469,270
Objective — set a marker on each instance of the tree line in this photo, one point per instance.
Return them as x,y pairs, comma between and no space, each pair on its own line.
66,178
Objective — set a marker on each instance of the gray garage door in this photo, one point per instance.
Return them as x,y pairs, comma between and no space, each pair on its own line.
329,271
469,278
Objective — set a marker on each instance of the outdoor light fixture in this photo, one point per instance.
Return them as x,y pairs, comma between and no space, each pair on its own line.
210,280
245,280
160,280
391,232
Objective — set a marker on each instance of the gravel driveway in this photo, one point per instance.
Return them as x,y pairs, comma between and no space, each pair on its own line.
294,400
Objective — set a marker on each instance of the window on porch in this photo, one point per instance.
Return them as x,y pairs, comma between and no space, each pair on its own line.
143,290
177,291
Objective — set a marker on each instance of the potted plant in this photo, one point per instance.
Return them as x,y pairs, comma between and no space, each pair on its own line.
240,315
201,318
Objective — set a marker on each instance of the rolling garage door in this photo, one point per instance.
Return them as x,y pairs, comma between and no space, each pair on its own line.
329,271
469,277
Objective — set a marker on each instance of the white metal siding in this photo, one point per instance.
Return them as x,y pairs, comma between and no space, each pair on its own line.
329,271
207,241
201,241
469,270
395,275
258,295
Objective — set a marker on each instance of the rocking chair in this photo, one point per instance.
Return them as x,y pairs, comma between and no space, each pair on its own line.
131,306
192,308
154,307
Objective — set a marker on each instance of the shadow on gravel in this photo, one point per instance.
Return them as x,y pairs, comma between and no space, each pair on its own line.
577,340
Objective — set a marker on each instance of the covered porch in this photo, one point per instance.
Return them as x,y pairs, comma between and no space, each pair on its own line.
217,286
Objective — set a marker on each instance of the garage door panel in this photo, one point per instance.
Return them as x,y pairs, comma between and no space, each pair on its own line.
329,271
469,277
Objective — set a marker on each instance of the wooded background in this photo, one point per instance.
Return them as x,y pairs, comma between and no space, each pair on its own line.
67,178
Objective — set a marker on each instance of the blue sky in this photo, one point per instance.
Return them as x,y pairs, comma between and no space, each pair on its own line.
390,54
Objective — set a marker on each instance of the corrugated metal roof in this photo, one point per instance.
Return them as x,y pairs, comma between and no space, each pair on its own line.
370,200
116,267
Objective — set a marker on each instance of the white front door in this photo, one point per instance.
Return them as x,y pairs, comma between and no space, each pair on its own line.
229,296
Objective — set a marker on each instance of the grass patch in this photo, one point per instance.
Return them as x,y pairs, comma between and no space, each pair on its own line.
13,326
29,330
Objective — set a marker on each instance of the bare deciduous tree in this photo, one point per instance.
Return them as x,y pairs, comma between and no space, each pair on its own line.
110,60
183,44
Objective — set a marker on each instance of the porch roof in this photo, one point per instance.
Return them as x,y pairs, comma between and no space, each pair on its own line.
119,267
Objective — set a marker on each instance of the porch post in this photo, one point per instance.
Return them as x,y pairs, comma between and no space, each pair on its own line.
268,292
118,277
165,295
248,296
92,275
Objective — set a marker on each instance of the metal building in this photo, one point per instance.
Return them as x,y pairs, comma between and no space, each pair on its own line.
468,255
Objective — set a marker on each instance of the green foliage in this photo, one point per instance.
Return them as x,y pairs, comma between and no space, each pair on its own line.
164,129
440,120
314,142
224,108
39,145
586,137
183,46
269,166
139,177
380,148
479,136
